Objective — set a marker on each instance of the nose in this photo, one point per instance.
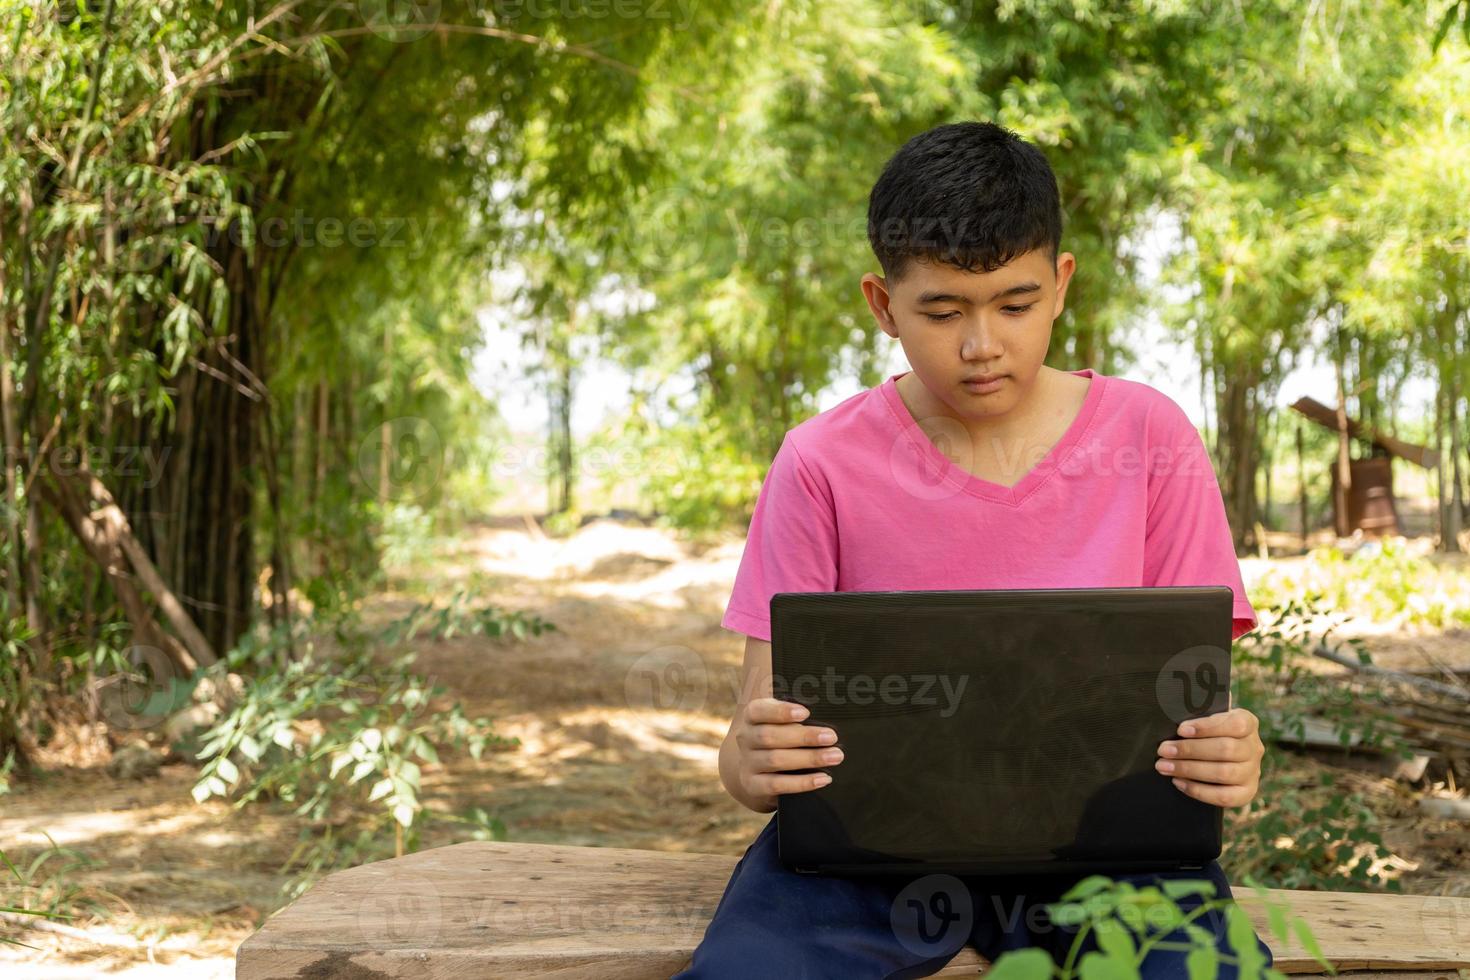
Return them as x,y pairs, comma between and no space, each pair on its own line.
981,342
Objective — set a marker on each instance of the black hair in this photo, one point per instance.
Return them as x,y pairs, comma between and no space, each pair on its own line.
972,194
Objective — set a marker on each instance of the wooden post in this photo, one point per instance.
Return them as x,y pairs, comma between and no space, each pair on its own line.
1301,472
385,445
1344,471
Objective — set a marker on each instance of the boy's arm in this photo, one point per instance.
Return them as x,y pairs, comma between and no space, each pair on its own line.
1187,539
791,547
1217,758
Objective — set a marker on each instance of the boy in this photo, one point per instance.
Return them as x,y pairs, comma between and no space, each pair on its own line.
979,468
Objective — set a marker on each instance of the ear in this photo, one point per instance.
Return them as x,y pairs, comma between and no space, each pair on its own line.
1066,265
875,291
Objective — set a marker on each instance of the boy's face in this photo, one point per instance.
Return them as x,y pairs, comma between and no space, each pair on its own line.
956,325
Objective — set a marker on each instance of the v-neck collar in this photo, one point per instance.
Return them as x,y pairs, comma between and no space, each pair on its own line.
976,486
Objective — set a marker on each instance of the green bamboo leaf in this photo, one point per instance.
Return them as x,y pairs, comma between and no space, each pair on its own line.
1202,963
1022,964
1096,966
1309,943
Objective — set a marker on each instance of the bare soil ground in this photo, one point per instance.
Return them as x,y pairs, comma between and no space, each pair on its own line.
619,711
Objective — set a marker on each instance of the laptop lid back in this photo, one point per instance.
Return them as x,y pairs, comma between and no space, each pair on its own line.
1001,731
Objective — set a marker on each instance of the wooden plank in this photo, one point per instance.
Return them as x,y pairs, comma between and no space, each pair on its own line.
547,911
1326,417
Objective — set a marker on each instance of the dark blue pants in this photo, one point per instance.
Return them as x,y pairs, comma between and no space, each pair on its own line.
773,922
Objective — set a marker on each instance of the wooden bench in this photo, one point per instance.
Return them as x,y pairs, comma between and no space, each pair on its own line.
532,910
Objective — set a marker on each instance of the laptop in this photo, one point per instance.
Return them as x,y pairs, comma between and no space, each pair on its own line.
1007,732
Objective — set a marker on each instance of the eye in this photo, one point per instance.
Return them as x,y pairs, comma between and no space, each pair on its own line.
941,317
1017,310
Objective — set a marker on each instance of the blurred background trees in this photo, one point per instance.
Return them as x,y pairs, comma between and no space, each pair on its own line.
246,249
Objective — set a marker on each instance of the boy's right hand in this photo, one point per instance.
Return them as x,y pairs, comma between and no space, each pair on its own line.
772,740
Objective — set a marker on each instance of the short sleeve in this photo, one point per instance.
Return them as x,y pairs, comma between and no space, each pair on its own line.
791,545
1187,539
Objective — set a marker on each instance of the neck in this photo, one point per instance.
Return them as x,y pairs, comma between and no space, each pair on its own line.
922,404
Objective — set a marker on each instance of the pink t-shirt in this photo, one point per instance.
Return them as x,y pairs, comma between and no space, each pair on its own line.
858,498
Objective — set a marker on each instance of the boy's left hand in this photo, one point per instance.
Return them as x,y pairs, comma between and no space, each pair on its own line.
1217,759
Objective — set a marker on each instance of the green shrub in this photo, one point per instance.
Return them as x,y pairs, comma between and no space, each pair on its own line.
1286,841
340,733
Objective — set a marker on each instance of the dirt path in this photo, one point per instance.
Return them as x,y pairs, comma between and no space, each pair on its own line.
620,713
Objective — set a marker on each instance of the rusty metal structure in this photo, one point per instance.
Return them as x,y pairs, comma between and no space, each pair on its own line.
1369,499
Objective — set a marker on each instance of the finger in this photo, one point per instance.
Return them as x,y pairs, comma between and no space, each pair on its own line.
768,784
774,711
1222,749
1236,723
1219,773
783,760
1217,795
786,736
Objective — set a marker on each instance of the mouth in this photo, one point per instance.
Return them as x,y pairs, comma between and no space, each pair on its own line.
981,384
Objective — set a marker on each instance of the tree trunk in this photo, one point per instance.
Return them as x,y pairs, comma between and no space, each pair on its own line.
1301,470
1344,471
385,431
102,541
1457,494
212,450
1238,442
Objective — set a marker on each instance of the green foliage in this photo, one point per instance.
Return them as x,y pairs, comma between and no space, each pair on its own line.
1129,922
458,617
697,478
44,887
1382,582
1304,835
341,733
406,536
1329,845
